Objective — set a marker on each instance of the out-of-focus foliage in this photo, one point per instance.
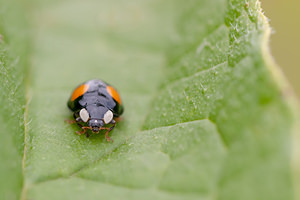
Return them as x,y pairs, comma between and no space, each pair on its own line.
285,41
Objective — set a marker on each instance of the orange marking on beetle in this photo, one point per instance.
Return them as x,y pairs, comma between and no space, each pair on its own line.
115,95
79,91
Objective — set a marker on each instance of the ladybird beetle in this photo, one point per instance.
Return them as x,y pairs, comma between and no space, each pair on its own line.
95,104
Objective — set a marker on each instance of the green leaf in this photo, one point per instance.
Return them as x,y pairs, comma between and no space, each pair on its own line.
14,51
207,115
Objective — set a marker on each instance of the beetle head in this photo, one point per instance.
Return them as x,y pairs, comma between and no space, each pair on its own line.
95,124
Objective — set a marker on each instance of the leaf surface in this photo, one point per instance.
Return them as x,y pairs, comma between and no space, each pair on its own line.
206,115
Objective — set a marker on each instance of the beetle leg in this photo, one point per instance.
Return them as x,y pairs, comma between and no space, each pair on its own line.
81,132
78,119
69,121
119,119
113,122
108,130
84,128
107,137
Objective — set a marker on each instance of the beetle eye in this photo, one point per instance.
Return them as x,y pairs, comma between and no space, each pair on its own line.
84,115
108,116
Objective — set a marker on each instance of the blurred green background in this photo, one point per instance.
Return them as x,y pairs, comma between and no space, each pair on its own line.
285,41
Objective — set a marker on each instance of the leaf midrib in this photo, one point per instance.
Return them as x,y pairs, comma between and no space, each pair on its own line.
95,162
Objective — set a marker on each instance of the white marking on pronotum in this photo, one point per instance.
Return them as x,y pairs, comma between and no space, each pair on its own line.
84,115
108,116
